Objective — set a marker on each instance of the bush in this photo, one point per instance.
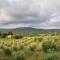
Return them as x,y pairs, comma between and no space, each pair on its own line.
15,48
32,48
39,39
28,52
58,48
9,33
52,34
48,45
21,36
7,51
17,36
0,33
21,46
51,56
3,35
21,56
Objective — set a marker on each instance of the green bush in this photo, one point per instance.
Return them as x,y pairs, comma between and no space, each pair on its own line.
3,35
9,33
17,36
32,48
21,47
48,45
39,39
21,56
0,33
7,51
15,48
51,56
28,52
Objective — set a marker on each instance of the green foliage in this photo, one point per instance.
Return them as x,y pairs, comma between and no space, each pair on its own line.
7,52
51,56
3,35
48,45
32,48
21,56
39,39
0,33
15,48
17,36
28,52
41,47
21,47
9,33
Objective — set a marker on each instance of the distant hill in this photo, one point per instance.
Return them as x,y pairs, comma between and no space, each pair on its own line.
22,29
30,30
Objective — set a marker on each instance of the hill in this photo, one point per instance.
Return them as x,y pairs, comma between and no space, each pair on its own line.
30,30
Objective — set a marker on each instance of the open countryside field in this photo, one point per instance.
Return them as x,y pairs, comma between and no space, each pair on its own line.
29,29
41,47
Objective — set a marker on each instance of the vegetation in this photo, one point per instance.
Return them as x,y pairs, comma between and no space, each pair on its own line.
17,36
7,52
37,47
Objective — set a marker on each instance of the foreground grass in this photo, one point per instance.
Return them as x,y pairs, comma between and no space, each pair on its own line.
30,48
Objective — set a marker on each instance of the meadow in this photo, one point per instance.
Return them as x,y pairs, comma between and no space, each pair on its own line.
38,47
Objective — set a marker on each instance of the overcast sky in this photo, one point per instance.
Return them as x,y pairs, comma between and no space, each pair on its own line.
30,13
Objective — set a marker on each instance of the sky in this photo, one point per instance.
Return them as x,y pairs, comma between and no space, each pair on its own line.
42,14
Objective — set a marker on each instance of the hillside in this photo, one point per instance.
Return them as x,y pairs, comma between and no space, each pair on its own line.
30,30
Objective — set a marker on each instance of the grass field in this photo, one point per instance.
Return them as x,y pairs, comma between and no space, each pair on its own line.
43,47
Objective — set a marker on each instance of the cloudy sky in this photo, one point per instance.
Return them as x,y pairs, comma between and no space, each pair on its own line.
30,13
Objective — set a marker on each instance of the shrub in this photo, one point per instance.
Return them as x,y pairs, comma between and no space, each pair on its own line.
20,36
48,45
52,34
58,48
51,56
32,48
15,48
21,56
56,39
4,35
28,52
9,33
7,51
17,36
0,33
39,39
21,46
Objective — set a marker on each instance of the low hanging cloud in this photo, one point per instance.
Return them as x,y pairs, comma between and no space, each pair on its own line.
30,13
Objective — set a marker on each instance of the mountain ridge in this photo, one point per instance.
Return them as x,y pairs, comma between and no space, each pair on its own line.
29,29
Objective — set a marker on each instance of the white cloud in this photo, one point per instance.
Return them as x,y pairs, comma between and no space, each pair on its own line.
9,26
4,16
32,13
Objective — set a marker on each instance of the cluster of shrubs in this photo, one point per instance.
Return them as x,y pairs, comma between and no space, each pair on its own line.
7,51
15,36
33,48
4,35
39,39
49,46
20,57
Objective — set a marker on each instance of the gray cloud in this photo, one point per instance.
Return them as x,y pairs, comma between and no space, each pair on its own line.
30,13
